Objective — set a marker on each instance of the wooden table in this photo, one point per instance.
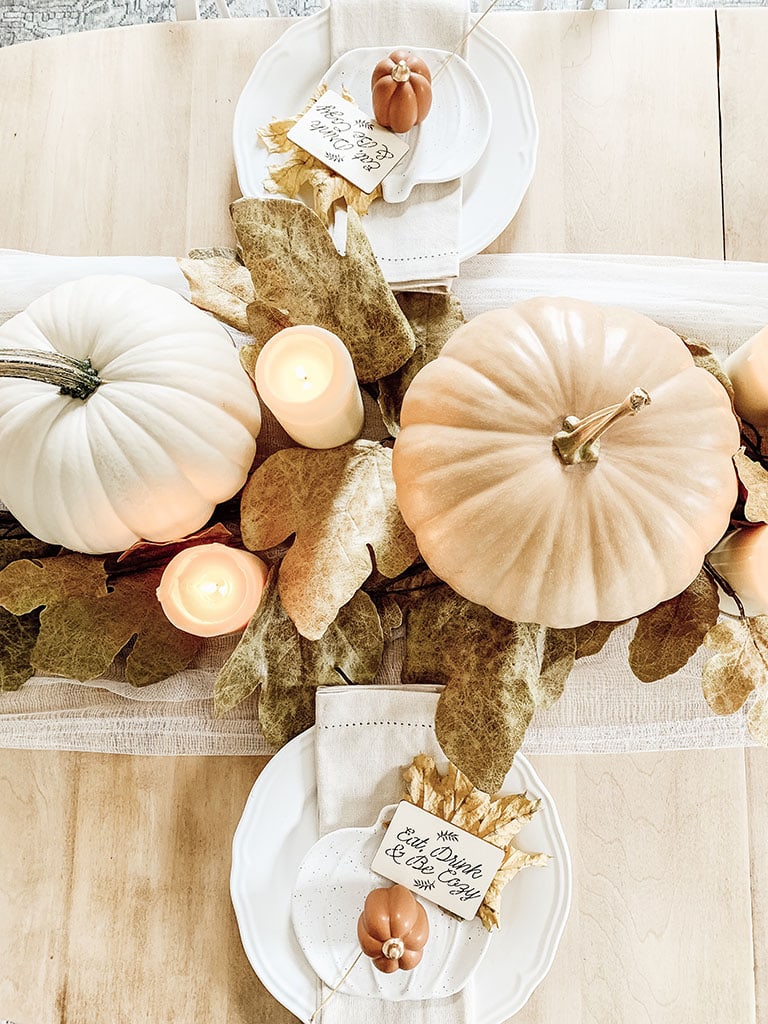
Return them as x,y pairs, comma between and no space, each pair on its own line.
114,900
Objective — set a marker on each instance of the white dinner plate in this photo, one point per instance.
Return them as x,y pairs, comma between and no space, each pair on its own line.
278,827
287,73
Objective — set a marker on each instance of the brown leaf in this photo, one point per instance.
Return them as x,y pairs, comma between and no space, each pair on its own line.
558,656
492,672
591,638
738,665
339,503
145,552
707,360
300,278
221,286
671,633
434,318
391,616
18,633
26,585
757,720
287,669
754,479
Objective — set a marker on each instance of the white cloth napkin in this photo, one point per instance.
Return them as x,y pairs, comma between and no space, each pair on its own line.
364,738
416,242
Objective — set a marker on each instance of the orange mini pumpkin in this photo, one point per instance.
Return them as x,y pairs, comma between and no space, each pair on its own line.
402,91
393,929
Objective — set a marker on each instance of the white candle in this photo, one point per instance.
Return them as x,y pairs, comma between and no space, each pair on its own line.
305,376
741,558
747,368
212,589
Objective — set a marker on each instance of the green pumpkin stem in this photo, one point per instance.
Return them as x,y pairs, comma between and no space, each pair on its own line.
579,440
75,377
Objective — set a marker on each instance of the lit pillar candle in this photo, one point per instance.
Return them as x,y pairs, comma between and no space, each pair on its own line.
747,368
741,558
305,376
212,589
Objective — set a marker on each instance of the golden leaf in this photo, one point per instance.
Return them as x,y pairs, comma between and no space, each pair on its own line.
739,663
220,286
704,357
18,633
300,278
757,720
591,638
286,669
496,819
340,503
671,633
754,479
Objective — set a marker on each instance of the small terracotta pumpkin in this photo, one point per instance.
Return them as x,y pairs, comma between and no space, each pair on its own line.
402,91
393,929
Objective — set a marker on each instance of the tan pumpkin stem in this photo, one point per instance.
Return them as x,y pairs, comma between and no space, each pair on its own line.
579,440
393,949
75,377
401,72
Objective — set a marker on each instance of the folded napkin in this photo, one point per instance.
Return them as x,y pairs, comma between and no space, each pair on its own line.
364,738
416,242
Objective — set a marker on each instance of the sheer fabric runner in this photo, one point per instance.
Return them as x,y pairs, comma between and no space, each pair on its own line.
604,708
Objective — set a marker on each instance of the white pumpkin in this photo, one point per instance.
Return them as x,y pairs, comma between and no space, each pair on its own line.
148,451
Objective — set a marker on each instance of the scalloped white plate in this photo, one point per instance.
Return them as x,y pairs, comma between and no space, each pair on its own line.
333,881
278,827
450,140
285,75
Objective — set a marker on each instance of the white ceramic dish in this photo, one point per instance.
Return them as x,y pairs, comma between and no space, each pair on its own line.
331,886
449,142
286,74
278,827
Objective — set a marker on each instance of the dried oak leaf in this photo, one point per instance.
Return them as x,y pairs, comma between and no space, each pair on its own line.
18,633
340,503
704,357
85,623
739,664
496,819
754,479
495,673
671,633
301,168
434,318
221,286
286,669
300,278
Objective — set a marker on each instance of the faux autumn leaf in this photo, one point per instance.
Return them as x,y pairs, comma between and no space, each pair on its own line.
757,720
707,360
301,168
739,664
492,672
286,668
591,638
434,318
221,286
754,479
671,633
84,625
18,633
146,552
300,278
339,503
496,819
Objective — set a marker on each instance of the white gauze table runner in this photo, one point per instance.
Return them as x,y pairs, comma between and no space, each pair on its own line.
348,797
604,708
416,242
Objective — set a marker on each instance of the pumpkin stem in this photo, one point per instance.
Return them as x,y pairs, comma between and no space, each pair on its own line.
393,949
401,72
579,440
75,377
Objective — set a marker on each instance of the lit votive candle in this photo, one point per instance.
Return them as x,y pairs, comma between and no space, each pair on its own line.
747,368
212,589
305,376
741,558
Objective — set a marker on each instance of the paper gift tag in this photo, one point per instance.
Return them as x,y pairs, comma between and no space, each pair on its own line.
348,141
437,860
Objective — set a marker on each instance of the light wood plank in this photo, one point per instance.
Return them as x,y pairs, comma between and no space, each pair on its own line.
628,157
743,36
757,792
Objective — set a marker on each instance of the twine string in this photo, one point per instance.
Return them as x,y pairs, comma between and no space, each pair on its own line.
336,988
461,42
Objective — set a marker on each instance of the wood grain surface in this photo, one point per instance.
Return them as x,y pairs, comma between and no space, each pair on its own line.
114,901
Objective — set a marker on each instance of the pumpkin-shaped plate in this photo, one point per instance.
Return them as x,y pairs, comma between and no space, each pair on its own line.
333,881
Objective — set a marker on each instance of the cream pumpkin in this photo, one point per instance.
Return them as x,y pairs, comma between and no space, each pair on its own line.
525,502
154,426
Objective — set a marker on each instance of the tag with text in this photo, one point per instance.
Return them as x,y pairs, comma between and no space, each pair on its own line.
435,859
350,143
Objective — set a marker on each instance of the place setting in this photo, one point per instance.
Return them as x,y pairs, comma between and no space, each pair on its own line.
334,478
